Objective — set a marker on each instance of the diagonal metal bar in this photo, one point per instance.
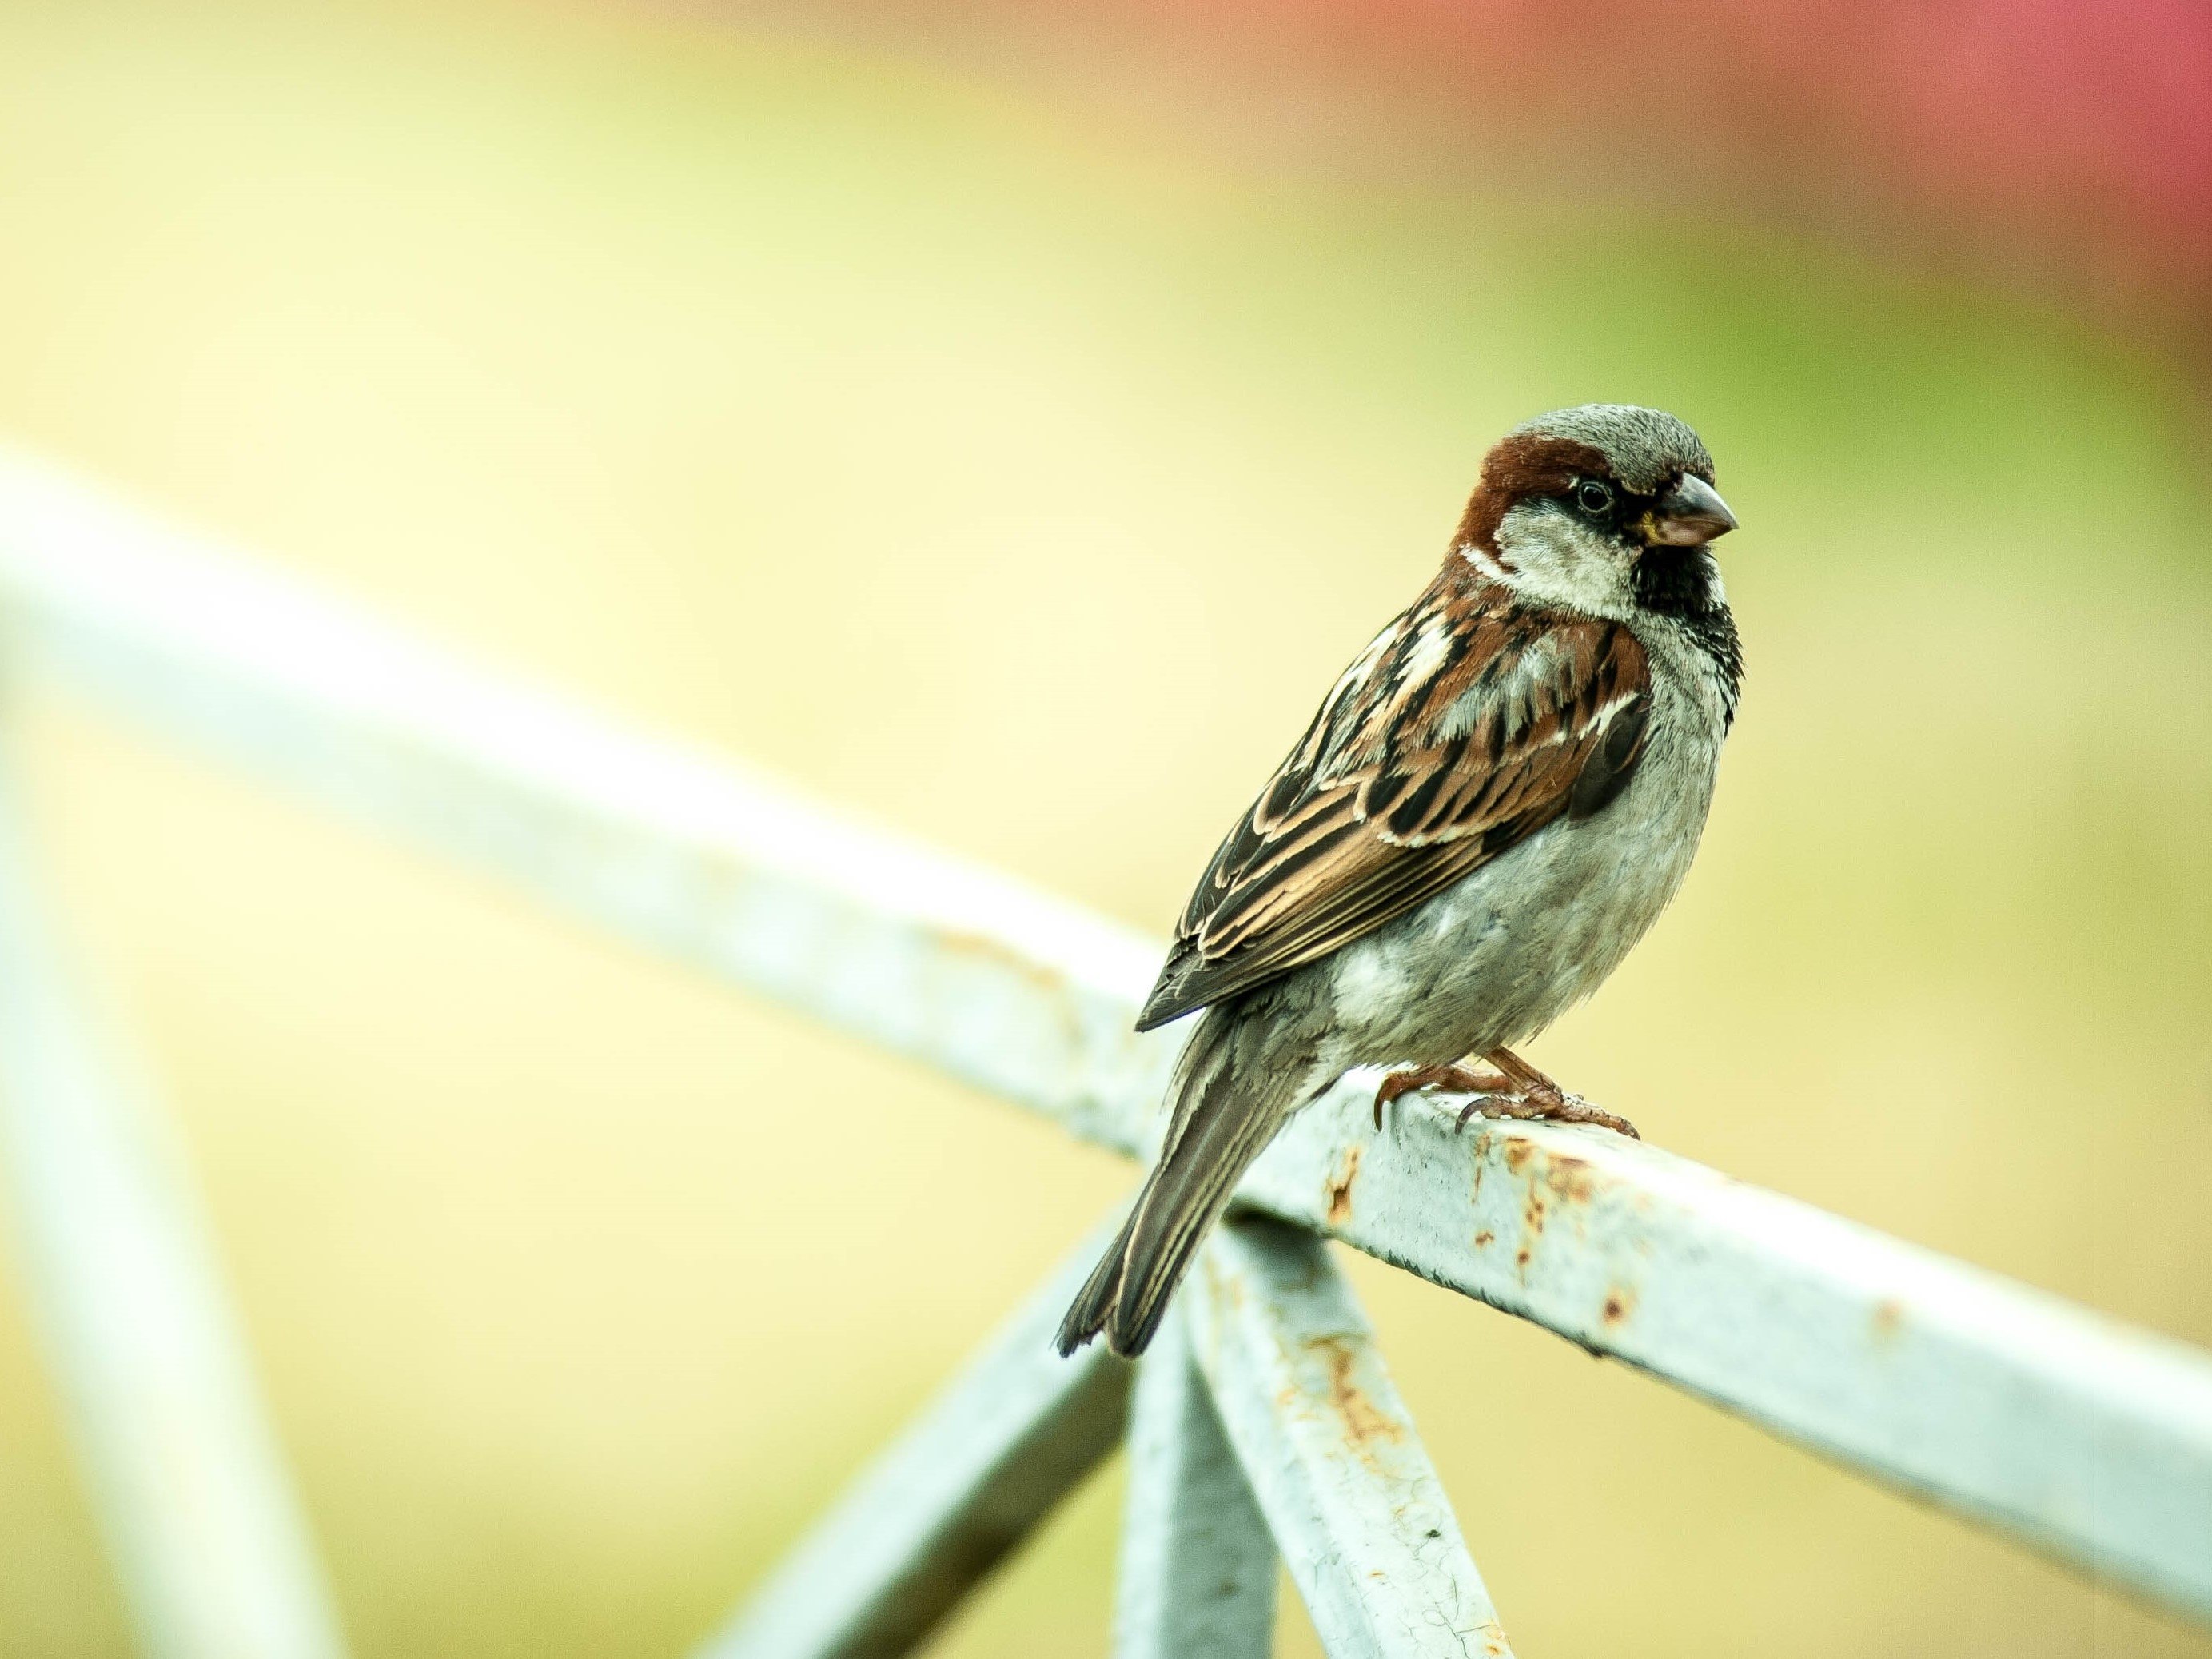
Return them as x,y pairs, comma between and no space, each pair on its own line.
2084,1438
1197,1572
984,1463
696,856
1356,1506
188,1481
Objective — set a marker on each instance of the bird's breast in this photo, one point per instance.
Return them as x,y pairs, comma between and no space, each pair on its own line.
1497,958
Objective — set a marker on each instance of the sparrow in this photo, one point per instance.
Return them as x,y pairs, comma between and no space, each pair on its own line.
1495,801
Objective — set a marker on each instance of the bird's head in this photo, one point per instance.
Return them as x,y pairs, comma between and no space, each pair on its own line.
1606,509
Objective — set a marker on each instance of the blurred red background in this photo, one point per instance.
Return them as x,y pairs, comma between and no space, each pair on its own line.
2060,144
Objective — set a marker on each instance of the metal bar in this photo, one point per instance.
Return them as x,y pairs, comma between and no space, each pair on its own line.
2085,1439
2088,1440
188,1481
1356,1507
694,856
1197,1572
982,1464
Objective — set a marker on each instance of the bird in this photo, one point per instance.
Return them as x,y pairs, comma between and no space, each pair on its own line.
1493,804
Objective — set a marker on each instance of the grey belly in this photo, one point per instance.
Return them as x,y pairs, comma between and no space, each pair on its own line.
1496,958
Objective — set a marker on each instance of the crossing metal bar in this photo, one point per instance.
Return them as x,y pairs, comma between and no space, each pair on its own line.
1291,1382
2084,1438
1355,1506
186,1480
1197,1571
982,1464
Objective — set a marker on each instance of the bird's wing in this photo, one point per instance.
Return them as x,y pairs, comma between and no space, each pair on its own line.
1470,723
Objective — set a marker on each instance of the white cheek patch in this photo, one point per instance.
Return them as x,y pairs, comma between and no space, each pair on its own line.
1558,559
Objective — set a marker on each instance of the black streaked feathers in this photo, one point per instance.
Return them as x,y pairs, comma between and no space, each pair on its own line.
1606,772
1471,722
1685,583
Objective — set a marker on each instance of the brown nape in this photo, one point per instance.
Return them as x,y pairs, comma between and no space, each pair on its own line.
1524,465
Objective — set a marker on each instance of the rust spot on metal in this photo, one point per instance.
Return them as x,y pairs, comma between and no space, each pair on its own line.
1520,1258
1620,1303
1571,1178
959,947
1531,1214
1339,1192
1364,1422
1888,1319
1517,1154
982,948
1484,1239
1228,1287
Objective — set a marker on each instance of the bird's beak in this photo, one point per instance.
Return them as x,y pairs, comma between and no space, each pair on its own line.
1689,515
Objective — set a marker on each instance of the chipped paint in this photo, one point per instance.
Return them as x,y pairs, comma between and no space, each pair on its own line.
1888,1319
1337,1207
1359,1516
1364,1421
1570,1179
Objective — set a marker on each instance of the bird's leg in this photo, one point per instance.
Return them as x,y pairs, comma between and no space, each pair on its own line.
1457,1079
1537,1097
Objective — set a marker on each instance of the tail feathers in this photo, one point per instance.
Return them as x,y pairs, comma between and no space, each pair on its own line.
1222,1123
1087,1315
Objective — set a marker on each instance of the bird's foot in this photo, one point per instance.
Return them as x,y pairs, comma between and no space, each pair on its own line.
1516,1090
1533,1095
1456,1079
1557,1107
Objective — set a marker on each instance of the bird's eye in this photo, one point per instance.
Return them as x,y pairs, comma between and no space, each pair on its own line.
1593,498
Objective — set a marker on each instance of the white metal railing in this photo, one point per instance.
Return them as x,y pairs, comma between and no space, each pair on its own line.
184,1472
1264,1420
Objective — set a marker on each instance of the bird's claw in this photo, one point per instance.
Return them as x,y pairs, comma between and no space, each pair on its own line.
1499,1097
1560,1107
1456,1078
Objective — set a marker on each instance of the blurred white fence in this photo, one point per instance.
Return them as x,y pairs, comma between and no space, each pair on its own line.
1264,1423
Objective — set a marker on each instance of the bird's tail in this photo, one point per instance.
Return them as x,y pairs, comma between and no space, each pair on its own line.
1228,1105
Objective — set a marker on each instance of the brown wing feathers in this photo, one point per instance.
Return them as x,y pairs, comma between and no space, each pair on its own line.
1469,724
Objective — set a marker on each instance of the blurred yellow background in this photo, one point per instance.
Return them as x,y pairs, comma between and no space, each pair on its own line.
1019,477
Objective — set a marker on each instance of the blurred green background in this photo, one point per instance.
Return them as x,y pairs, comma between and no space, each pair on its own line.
1018,472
